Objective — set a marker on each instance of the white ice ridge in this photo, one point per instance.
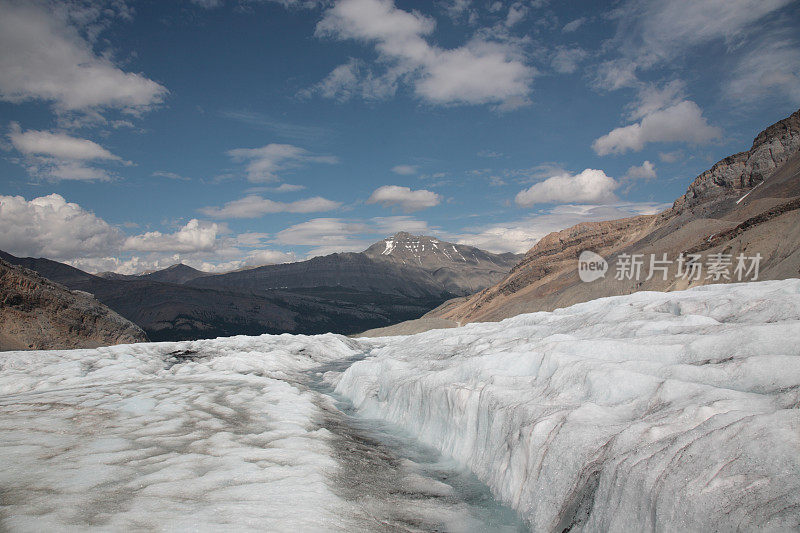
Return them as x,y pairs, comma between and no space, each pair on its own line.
653,411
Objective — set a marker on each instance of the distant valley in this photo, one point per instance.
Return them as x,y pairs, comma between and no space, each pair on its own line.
394,280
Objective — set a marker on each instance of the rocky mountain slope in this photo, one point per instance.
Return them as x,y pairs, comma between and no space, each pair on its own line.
178,273
36,313
170,311
341,293
460,269
745,204
405,265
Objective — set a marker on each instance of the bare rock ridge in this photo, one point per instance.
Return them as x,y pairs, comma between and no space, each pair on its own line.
747,203
36,313
741,172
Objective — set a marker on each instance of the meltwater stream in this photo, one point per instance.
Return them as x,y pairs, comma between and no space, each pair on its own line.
394,482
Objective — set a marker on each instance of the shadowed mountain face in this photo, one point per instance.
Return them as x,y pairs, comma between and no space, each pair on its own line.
36,313
748,203
178,273
341,293
403,265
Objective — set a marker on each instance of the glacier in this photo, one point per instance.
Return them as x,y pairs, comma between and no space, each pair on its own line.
654,411
662,411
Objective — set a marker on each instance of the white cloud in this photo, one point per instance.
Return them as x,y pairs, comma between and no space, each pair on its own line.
169,175
391,225
56,156
288,187
404,197
479,72
405,170
651,98
573,25
330,235
519,236
670,157
615,74
195,236
58,145
772,67
590,186
566,60
326,235
263,164
48,169
51,227
656,30
516,12
681,122
645,171
254,206
42,57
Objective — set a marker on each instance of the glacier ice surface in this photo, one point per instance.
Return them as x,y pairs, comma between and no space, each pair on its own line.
653,411
667,411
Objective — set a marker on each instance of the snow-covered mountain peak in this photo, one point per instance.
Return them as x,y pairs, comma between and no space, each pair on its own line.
424,250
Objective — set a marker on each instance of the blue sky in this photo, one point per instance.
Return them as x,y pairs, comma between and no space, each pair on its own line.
228,134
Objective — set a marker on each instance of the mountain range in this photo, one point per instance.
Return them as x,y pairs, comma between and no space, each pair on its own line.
746,205
343,293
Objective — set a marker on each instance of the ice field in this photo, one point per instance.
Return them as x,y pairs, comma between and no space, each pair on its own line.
667,411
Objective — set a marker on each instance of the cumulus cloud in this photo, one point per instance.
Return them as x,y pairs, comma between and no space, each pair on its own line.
195,236
263,164
51,227
254,206
479,72
404,197
590,186
43,57
681,122
405,170
645,171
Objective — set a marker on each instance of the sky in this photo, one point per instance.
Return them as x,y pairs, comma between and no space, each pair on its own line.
233,133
